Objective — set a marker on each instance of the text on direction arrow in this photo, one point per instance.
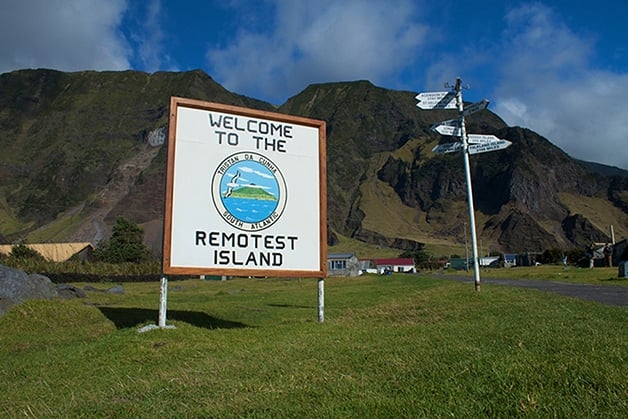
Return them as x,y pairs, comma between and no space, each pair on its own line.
475,107
448,127
447,123
486,147
448,130
447,148
436,100
481,138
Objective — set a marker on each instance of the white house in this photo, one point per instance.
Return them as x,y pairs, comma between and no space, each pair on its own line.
395,265
489,261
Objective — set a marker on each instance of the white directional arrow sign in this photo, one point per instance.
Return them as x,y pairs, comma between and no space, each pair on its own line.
476,107
481,138
449,127
481,146
447,148
436,100
448,130
490,146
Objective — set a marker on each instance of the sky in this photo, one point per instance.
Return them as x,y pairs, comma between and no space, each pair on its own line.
557,67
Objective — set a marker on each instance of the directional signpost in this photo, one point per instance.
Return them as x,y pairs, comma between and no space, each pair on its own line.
469,144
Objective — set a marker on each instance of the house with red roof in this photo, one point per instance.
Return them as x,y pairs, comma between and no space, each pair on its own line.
405,265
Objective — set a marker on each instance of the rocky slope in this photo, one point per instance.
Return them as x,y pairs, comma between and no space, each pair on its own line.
80,149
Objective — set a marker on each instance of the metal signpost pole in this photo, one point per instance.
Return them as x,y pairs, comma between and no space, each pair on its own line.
467,172
321,300
163,304
163,301
466,250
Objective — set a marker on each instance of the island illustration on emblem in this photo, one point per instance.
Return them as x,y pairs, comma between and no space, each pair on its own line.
249,191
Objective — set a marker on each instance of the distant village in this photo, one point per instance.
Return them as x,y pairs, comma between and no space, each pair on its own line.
350,265
597,255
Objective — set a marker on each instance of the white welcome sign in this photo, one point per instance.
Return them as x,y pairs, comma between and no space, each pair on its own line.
245,194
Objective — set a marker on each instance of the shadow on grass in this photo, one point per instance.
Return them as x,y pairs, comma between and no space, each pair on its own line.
291,306
124,317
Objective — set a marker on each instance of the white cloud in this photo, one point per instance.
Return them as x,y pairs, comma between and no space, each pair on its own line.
150,38
67,35
256,172
550,84
150,41
538,72
319,42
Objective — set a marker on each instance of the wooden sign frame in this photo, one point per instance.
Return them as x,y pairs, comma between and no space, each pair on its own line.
224,164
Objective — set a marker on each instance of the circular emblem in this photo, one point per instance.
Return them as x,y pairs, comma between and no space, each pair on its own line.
249,191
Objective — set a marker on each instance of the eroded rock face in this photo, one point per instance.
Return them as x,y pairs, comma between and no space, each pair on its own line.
17,286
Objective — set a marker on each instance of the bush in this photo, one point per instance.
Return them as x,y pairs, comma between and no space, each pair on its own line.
125,245
422,259
578,256
21,251
551,256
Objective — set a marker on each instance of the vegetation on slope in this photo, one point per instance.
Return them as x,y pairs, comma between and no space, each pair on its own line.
75,159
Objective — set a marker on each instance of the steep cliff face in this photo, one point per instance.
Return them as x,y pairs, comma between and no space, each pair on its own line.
518,190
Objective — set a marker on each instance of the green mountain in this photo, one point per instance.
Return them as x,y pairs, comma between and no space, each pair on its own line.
80,149
248,192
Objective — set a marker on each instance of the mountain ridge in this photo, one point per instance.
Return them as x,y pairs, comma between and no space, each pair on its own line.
69,139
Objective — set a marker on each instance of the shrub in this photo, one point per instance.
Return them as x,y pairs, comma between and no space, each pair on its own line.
125,245
21,251
578,257
551,256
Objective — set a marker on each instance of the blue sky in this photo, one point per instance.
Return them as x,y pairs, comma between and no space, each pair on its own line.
557,67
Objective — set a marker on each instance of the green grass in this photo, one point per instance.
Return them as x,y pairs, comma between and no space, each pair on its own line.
395,346
9,223
573,274
56,231
362,249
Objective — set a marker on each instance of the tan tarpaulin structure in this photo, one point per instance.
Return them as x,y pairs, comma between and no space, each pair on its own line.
56,252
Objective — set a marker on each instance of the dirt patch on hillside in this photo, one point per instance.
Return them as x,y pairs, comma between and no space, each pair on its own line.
93,228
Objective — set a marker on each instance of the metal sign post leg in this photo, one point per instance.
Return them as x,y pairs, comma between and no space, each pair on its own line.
163,301
321,300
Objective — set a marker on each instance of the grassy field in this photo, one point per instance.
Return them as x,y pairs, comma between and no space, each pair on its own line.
394,346
572,274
